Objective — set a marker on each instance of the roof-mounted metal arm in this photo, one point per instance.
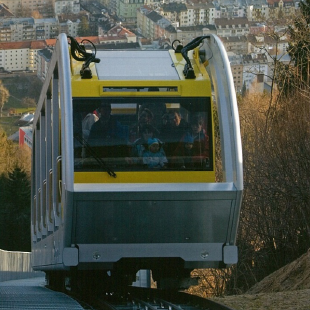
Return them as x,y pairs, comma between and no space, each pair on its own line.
188,68
79,53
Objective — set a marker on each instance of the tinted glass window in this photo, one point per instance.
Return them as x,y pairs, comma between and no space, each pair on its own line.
142,134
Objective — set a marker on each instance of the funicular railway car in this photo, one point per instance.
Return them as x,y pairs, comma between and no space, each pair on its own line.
124,165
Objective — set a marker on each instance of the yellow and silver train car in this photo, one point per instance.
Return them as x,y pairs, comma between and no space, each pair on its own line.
124,164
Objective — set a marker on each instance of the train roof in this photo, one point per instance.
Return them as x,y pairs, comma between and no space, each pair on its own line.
136,65
122,72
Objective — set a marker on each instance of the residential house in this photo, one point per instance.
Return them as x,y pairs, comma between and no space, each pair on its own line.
258,28
127,10
238,45
17,29
227,27
25,136
172,11
187,34
268,43
153,26
67,6
116,35
43,60
30,29
5,31
69,26
20,56
279,9
236,66
46,28
256,10
231,10
17,6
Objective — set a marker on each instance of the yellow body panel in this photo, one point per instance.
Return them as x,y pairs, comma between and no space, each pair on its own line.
146,177
200,86
94,87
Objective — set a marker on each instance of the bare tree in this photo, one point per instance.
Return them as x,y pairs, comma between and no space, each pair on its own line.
274,223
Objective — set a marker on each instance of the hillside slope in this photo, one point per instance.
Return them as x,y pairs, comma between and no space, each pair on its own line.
286,289
294,276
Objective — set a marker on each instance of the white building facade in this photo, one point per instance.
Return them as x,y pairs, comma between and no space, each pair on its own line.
16,6
28,29
67,6
20,56
46,28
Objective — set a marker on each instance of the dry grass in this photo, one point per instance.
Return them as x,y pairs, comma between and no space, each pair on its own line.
286,289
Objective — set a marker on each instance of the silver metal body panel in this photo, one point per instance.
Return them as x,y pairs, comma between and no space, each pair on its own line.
157,187
140,221
226,101
48,252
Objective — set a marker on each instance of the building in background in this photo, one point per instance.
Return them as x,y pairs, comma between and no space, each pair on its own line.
46,28
25,136
67,6
127,10
20,56
44,7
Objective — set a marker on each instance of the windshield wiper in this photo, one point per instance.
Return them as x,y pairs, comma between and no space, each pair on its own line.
93,153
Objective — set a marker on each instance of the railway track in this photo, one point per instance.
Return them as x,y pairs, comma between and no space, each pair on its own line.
150,299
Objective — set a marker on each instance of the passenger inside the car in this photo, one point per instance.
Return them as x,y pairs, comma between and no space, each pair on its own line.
88,121
193,149
108,134
154,157
158,109
107,128
173,129
140,145
145,117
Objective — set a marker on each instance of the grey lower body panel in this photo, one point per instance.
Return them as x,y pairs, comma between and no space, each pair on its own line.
151,222
114,252
102,228
193,254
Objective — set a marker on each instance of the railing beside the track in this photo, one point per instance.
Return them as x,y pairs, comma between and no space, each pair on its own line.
16,265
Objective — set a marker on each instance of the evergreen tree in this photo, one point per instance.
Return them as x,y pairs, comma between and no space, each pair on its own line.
84,29
3,235
14,196
15,211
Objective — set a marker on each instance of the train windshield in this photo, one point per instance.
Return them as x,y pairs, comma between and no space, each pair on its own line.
142,134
